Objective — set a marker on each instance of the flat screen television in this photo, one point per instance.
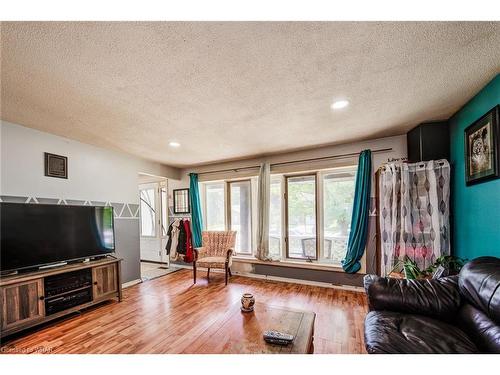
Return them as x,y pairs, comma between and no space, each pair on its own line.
34,235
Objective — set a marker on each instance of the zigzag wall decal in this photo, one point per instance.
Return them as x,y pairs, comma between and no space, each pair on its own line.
127,211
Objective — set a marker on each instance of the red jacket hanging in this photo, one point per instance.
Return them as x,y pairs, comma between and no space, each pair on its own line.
189,257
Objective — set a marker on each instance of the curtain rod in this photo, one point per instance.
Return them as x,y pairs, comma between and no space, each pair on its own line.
340,156
420,164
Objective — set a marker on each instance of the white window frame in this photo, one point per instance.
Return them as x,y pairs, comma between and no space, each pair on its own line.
250,252
319,213
282,254
319,173
227,208
203,189
316,208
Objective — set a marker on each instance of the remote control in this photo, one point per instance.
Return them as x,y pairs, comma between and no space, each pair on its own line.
278,342
275,335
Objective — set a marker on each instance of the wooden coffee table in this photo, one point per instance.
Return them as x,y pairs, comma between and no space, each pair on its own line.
241,333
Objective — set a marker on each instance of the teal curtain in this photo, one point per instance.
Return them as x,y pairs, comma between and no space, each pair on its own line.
196,216
359,222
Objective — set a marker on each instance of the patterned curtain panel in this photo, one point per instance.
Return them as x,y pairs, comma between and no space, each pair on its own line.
414,212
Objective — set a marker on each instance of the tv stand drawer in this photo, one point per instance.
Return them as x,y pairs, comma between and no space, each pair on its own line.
104,281
22,303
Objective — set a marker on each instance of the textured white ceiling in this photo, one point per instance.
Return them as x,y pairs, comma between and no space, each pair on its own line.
235,89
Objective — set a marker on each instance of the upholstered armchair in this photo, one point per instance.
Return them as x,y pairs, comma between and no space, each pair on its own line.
216,252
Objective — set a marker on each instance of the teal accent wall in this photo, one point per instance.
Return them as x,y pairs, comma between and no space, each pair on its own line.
475,208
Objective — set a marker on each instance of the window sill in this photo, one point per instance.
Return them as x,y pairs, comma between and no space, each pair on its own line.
288,263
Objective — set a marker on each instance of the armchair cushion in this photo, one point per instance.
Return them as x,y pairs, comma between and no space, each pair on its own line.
214,262
438,298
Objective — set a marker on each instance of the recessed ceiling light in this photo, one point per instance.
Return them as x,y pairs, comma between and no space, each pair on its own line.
339,104
174,144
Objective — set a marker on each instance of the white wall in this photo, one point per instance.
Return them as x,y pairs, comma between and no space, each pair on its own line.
93,173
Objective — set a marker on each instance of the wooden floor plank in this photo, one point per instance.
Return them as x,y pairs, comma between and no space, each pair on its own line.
168,314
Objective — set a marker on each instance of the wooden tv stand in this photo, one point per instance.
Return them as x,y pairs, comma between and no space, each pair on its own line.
22,296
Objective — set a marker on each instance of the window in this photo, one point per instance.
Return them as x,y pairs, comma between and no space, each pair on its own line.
240,215
338,198
309,213
275,233
153,214
301,217
317,215
215,206
164,210
148,213
228,206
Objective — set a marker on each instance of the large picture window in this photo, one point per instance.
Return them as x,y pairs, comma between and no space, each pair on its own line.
228,206
301,217
240,215
338,198
275,218
317,209
309,213
215,206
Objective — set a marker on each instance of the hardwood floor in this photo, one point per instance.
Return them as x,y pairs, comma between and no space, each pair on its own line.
168,314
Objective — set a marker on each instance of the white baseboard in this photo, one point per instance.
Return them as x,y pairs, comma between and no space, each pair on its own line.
286,280
131,283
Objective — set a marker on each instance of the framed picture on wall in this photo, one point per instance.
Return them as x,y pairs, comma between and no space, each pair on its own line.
181,201
482,149
55,165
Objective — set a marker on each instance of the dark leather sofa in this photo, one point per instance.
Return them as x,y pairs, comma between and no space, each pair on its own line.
456,314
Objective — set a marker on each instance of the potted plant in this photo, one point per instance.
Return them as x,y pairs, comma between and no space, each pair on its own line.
409,268
450,263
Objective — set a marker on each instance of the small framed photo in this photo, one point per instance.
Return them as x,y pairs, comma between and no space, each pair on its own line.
56,165
181,201
482,150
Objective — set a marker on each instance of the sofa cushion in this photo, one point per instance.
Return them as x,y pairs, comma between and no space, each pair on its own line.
479,283
393,332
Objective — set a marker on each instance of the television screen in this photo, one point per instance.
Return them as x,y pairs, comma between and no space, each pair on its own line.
38,234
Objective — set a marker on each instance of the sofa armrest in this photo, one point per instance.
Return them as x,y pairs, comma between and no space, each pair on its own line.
438,298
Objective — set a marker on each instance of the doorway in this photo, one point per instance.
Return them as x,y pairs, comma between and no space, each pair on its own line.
153,223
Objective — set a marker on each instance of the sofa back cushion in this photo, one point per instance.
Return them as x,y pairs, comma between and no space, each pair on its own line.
438,298
479,283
